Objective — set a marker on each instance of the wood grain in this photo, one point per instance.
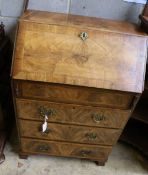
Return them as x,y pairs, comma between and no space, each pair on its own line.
73,94
72,114
81,21
34,146
57,54
69,133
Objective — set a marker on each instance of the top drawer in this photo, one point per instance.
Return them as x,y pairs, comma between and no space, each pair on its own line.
73,94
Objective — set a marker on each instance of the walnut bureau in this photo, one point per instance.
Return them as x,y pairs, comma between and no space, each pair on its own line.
75,82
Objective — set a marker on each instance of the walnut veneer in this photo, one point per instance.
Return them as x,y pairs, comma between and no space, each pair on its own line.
86,74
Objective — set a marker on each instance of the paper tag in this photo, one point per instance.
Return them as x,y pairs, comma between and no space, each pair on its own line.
44,126
46,118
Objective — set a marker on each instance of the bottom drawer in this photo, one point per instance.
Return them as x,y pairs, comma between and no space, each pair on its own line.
33,146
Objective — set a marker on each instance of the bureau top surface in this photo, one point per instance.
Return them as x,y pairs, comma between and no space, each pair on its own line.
84,21
49,49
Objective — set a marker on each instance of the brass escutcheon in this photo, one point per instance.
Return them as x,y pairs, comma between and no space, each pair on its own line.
85,152
84,36
91,136
43,148
46,112
98,118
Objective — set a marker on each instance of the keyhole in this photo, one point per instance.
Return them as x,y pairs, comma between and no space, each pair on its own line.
84,36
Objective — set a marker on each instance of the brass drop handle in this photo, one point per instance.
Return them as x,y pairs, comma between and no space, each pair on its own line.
85,152
43,148
98,118
84,36
91,136
46,111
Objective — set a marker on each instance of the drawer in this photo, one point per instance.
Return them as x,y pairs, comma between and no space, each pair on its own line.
93,152
71,114
73,94
69,133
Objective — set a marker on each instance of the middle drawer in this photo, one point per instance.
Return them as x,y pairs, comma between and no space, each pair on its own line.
69,133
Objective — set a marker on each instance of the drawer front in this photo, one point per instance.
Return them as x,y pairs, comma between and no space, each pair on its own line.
69,133
65,149
71,114
73,94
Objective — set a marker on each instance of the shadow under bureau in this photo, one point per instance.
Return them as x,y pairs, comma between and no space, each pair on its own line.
75,81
